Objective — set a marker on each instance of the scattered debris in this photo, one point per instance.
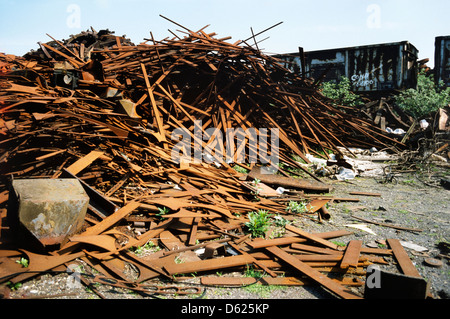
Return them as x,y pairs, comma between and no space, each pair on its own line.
101,111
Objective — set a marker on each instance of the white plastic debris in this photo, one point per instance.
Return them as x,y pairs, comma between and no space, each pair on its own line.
413,246
362,227
397,131
345,174
424,124
315,160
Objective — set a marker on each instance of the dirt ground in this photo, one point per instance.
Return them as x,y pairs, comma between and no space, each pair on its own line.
411,200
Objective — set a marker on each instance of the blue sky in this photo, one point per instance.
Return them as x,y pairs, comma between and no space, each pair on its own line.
312,24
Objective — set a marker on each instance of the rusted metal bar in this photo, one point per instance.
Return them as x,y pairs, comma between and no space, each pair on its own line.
256,244
402,258
208,265
82,163
289,182
112,219
351,255
256,262
387,225
315,275
312,237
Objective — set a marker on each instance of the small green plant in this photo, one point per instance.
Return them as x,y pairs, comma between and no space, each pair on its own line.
258,190
14,286
240,169
409,182
264,291
250,271
341,92
296,207
259,223
148,247
280,221
23,261
162,212
339,243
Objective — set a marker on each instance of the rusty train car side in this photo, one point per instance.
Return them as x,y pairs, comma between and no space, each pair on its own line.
370,69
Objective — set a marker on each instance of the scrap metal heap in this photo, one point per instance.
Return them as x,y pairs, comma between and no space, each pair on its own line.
99,109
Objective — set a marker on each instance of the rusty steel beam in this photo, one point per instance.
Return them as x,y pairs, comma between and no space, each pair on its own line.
402,258
312,237
84,162
315,275
290,240
208,264
351,254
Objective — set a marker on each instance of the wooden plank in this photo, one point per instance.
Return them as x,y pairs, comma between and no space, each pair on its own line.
84,162
402,258
315,275
351,255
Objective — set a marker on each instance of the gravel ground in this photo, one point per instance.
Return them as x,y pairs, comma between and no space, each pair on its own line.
407,203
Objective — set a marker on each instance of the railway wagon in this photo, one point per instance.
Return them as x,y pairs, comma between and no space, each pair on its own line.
442,60
371,68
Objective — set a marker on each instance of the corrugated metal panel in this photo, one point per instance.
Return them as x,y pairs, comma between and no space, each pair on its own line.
380,67
442,60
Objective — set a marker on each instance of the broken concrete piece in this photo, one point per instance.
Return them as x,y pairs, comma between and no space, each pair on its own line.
51,209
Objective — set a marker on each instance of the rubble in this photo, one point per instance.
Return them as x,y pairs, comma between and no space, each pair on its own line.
101,110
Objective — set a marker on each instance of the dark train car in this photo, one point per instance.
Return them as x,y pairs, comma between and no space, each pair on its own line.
371,68
442,60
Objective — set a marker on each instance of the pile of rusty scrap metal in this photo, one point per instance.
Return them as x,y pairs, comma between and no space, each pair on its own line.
101,110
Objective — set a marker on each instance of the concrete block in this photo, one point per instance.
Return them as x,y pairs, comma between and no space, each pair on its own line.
51,209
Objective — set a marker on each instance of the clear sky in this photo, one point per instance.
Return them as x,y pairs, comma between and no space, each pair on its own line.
311,24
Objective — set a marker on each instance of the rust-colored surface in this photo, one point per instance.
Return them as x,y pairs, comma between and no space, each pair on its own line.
351,255
402,258
140,195
312,273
